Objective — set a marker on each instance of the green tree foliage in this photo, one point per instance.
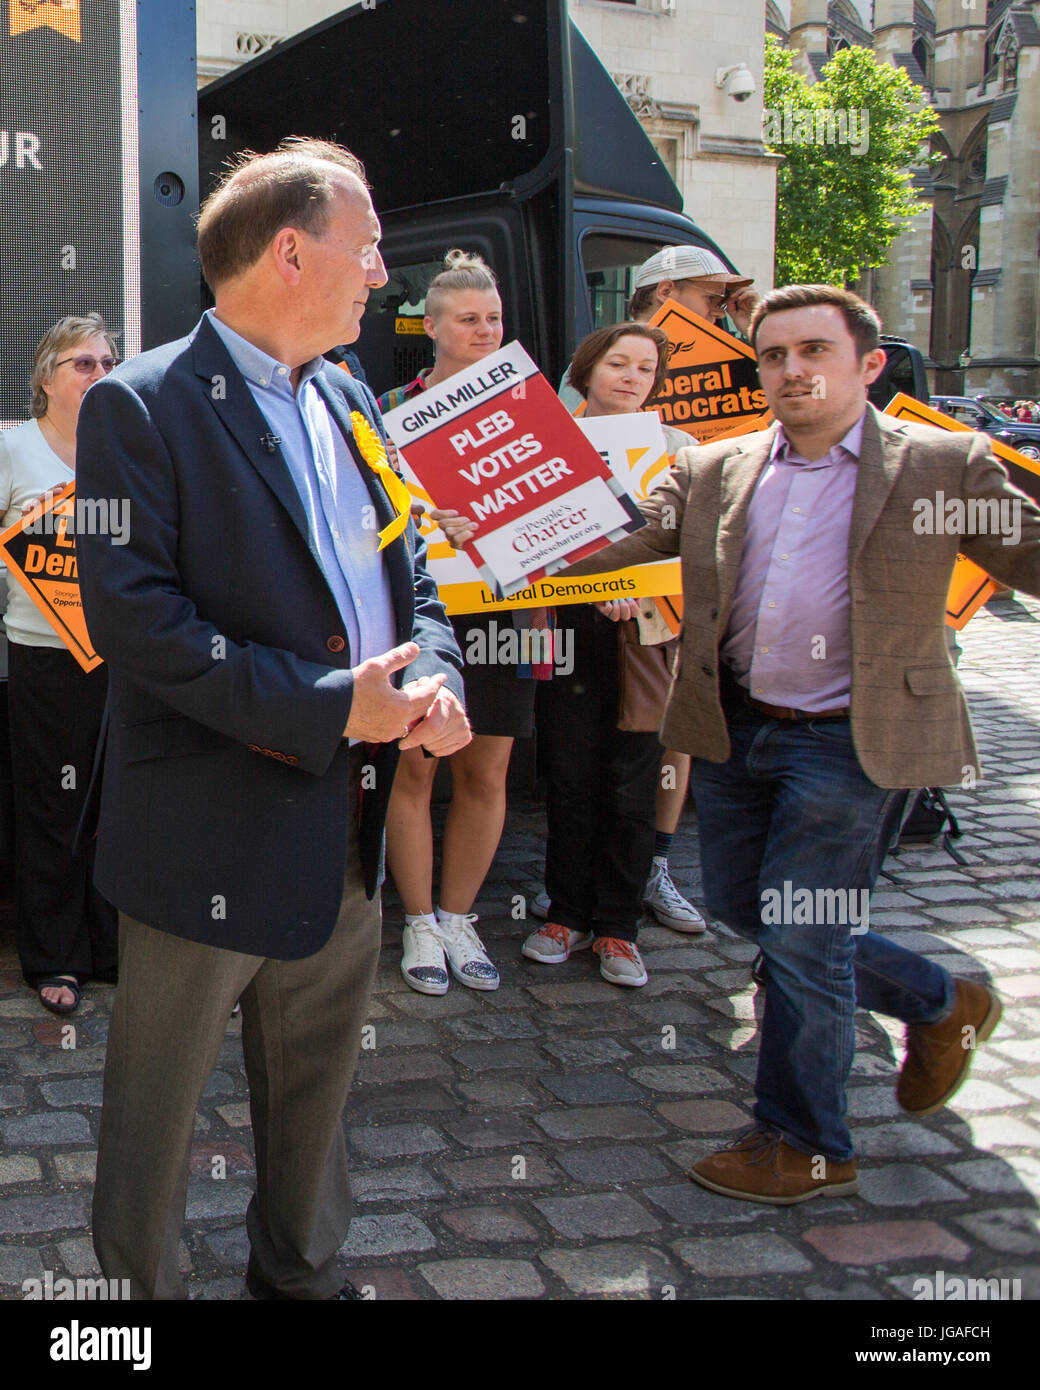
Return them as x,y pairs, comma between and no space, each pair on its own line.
840,205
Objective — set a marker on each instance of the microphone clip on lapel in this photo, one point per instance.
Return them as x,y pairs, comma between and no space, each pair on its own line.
270,442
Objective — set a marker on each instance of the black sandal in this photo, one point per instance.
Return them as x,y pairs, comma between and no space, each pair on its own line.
58,982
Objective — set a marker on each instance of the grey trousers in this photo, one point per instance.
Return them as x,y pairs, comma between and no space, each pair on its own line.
301,1031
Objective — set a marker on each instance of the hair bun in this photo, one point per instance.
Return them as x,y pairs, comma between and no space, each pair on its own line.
457,259
463,270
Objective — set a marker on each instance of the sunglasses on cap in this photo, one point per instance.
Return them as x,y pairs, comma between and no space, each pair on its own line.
85,364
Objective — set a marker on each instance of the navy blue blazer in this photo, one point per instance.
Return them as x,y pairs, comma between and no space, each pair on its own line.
225,789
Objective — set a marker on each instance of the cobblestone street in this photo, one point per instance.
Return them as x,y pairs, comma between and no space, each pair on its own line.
533,1143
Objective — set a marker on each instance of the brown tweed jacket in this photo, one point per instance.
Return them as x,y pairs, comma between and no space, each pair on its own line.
910,722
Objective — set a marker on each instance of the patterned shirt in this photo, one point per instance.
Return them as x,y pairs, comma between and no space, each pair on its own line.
390,400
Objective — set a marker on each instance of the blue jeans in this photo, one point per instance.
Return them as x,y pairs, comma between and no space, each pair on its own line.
793,810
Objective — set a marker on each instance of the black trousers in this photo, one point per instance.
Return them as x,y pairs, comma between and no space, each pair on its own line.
602,785
63,925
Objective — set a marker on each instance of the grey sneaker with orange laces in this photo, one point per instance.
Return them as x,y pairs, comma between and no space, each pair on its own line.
553,943
619,961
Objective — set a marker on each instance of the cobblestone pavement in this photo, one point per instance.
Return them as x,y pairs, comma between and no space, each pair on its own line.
532,1143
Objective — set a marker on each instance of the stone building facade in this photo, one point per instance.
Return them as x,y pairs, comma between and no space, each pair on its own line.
664,56
963,280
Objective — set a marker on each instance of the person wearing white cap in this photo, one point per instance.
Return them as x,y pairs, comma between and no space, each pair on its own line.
698,280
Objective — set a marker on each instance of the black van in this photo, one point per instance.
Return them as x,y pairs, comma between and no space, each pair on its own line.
486,124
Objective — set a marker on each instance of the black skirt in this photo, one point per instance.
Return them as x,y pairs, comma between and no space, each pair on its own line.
498,701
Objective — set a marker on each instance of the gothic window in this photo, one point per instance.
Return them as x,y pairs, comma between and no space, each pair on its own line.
775,23
975,163
844,28
1010,69
922,51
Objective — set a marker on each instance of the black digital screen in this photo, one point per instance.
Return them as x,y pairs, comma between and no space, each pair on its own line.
62,167
434,110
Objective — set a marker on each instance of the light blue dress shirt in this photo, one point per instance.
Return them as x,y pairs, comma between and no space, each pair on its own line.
336,500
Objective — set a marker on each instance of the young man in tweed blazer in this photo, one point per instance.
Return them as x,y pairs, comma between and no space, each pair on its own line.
813,690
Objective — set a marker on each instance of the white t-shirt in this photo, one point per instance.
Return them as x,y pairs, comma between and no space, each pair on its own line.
28,466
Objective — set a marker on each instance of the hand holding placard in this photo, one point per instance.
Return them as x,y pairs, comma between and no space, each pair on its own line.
494,445
458,529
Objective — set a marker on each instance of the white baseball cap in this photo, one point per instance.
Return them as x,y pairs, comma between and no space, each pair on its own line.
688,263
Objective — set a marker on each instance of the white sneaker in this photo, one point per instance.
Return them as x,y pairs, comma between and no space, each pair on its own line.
663,899
540,907
620,961
422,964
552,944
464,949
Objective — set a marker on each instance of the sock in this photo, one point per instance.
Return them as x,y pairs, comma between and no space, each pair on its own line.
662,844
410,918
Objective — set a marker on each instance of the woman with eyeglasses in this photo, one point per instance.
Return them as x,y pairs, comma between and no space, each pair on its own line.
66,932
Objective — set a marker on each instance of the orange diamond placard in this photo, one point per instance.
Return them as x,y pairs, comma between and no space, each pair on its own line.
62,15
970,586
39,551
711,388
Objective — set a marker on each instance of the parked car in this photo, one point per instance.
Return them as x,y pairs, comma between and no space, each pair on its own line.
982,415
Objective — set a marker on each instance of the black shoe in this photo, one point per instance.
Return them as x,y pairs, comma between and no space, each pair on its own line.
758,970
262,1290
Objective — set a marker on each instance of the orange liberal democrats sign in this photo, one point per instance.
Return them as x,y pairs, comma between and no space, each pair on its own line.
970,586
40,552
711,387
62,15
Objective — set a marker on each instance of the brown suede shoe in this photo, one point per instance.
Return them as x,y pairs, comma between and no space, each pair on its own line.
761,1167
938,1055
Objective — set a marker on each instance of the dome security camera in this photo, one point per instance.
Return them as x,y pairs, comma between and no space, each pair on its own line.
736,81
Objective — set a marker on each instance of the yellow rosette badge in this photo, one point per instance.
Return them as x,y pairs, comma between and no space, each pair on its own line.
374,454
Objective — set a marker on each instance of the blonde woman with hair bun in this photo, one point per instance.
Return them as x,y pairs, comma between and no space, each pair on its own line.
464,320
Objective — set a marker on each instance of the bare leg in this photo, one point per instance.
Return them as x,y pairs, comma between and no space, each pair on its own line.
475,818
671,799
409,832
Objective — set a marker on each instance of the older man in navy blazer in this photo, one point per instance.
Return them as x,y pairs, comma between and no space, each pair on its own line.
258,626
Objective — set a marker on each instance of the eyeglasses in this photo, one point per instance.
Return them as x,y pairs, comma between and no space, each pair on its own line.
716,301
86,364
